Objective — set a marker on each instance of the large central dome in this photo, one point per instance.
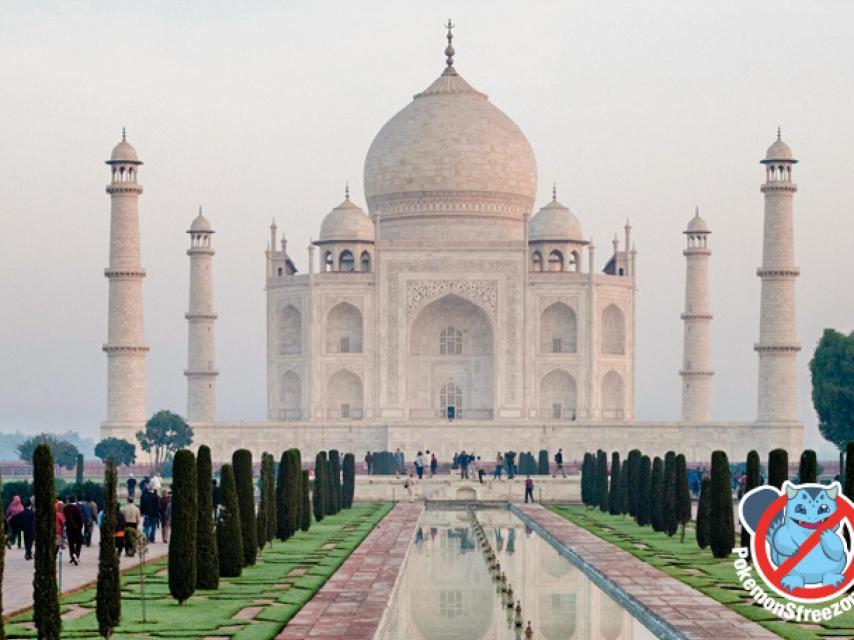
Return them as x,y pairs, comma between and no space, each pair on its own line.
450,151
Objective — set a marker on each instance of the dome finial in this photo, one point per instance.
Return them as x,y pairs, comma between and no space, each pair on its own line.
449,51
554,191
696,211
778,133
124,135
347,190
200,209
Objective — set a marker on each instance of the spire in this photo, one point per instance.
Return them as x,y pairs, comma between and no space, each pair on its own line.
346,190
779,133
449,51
696,211
200,209
554,191
124,135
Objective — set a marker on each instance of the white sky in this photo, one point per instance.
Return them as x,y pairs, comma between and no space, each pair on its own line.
255,110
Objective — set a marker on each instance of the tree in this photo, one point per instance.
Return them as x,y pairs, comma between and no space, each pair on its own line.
543,462
63,453
704,513
241,460
79,474
281,507
751,482
657,494
270,489
588,471
165,433
832,371
305,511
808,470
263,507
349,486
293,491
722,527
229,540
778,467
207,558
2,568
334,481
319,499
615,500
668,506
45,598
602,480
182,542
119,449
643,508
634,459
848,480
108,600
682,493
625,498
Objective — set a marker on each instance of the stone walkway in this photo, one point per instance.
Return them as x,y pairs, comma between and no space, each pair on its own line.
352,602
683,609
18,573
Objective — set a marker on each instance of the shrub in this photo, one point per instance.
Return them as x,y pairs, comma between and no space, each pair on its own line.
281,507
778,467
229,540
704,513
319,499
634,459
625,498
683,494
305,511
808,471
656,495
751,482
543,462
272,507
207,558
722,527
108,601
45,598
182,541
241,461
79,474
602,480
669,520
293,491
349,486
643,509
334,478
587,473
615,500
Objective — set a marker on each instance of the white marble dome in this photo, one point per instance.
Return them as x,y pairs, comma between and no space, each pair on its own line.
697,224
124,152
555,222
201,224
347,223
779,151
452,145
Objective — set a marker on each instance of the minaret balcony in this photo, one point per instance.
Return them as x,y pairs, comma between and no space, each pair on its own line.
123,188
124,274
696,373
789,272
128,349
696,316
777,347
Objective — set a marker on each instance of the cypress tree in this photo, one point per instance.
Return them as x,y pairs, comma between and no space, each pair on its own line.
45,598
182,542
704,513
3,539
335,481
319,499
808,471
615,500
683,494
108,600
305,511
263,504
207,558
281,507
848,489
752,481
602,480
656,495
349,486
643,509
272,507
722,527
229,540
670,521
241,460
778,467
293,491
79,476
634,480
586,476
625,498
543,462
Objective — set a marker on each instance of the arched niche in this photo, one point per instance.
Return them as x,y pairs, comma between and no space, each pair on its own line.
344,329
613,331
558,329
344,396
558,396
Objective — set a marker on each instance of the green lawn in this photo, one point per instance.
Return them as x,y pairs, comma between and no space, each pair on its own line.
285,577
696,567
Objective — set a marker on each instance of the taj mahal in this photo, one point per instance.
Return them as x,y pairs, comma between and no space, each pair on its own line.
451,311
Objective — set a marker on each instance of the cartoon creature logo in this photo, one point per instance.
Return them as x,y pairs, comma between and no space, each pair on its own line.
803,538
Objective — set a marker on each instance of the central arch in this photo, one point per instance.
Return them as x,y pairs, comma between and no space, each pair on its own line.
450,346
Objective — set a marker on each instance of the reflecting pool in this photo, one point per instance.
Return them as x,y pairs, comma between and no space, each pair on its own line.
447,590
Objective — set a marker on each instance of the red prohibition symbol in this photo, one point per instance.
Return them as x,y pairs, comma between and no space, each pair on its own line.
774,576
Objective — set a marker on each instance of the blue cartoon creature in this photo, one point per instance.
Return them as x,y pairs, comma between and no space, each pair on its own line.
807,507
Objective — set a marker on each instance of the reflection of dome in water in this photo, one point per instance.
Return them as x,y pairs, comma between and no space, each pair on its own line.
446,612
558,612
611,618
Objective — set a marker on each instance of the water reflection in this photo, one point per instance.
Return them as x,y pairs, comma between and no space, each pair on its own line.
447,592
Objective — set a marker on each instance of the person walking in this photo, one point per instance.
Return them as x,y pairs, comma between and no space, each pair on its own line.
559,464
156,483
150,508
12,511
214,498
409,485
165,515
499,462
398,463
73,529
131,516
92,507
464,465
478,467
369,463
529,489
419,465
87,522
131,485
26,524
434,464
60,524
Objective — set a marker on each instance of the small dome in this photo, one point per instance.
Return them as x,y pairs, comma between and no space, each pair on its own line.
347,223
779,151
555,222
697,224
200,224
124,152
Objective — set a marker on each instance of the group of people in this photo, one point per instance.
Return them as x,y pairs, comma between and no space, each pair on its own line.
74,521
154,511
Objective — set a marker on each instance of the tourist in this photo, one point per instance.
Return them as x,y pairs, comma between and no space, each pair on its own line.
156,483
119,536
60,524
12,511
478,467
92,507
419,465
86,513
398,463
409,485
150,509
427,463
434,464
26,523
511,464
131,515
559,464
464,460
214,498
499,462
131,485
529,489
369,463
165,515
144,485
73,529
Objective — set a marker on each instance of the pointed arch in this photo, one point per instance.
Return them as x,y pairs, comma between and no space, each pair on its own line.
558,329
555,261
290,331
537,261
558,396
344,396
365,261
612,396
613,331
291,396
344,329
346,261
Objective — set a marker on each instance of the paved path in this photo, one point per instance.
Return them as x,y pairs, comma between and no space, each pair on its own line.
684,609
18,573
351,604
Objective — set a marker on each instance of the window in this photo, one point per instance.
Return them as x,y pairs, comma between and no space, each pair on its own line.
613,331
538,261
345,344
451,397
327,261
366,261
556,346
280,271
346,261
556,410
555,261
345,411
451,342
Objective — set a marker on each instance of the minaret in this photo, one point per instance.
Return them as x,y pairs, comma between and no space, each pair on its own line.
778,347
696,368
201,371
125,347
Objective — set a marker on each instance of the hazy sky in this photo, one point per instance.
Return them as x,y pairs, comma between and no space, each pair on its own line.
255,110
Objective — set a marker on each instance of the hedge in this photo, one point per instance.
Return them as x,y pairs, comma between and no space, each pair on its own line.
602,480
543,462
656,495
321,487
